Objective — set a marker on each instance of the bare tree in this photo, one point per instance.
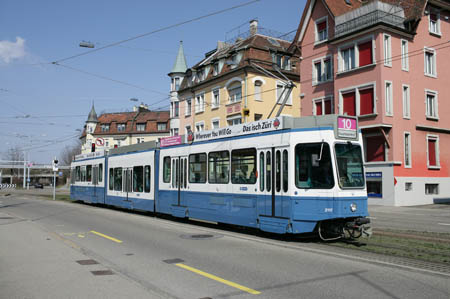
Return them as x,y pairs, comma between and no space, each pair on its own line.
69,152
14,154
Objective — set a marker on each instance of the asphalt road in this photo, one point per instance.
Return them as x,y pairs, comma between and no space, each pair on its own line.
145,257
429,218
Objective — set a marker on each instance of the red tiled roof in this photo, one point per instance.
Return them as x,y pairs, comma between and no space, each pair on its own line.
150,118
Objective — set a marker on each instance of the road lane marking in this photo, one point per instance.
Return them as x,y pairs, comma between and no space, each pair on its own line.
105,236
444,223
216,278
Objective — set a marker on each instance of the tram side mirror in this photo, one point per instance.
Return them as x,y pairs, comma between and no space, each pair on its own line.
315,159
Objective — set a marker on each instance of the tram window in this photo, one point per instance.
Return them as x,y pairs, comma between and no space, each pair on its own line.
111,178
261,171
177,172
138,179
278,171
166,170
78,173
118,179
197,168
182,173
313,168
350,165
268,171
185,172
219,167
72,176
100,172
174,173
89,173
285,171
243,166
83,174
147,181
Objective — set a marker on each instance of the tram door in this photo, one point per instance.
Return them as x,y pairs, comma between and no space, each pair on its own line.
179,179
95,182
127,176
273,181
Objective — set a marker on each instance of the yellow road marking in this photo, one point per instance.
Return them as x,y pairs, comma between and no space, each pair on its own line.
80,236
105,236
224,281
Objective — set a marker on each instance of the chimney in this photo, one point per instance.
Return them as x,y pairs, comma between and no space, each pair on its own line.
253,27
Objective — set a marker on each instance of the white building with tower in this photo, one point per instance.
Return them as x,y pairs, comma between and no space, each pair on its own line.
111,130
177,76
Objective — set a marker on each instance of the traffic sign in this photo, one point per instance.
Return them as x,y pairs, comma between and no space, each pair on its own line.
100,141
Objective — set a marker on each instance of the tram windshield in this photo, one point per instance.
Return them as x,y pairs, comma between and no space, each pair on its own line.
350,165
313,168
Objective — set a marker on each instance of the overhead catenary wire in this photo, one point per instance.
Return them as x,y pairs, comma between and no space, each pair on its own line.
107,78
158,30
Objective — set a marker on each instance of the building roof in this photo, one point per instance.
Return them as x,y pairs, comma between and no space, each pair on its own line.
257,47
92,117
180,65
413,11
412,8
147,117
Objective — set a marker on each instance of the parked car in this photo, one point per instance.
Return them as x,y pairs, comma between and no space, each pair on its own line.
38,185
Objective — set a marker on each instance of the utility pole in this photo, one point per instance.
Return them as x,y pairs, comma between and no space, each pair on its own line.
24,171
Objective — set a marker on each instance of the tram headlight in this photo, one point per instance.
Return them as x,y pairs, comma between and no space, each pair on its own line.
353,207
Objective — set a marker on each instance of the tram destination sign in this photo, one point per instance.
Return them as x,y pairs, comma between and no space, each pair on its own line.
260,126
346,127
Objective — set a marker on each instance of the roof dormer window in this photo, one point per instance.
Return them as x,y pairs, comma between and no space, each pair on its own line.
322,29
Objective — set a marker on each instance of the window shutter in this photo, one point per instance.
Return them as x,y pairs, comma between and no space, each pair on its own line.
365,53
321,26
319,108
432,152
328,107
349,103
366,101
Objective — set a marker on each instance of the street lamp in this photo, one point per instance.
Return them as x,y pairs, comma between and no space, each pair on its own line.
85,44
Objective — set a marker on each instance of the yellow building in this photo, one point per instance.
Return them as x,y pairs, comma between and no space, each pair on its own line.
238,83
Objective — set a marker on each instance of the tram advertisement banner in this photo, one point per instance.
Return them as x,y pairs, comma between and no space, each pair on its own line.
242,129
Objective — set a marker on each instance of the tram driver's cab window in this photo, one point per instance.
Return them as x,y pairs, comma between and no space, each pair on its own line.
313,168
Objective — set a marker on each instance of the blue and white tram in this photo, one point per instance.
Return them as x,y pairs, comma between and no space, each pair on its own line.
282,175
88,178
131,183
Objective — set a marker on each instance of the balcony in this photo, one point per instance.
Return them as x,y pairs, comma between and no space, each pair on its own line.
375,12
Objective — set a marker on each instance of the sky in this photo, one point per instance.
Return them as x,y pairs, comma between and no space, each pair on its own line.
42,105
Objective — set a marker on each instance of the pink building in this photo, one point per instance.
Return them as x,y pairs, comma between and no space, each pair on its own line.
388,62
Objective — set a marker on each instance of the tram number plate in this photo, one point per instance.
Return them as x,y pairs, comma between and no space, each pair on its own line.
346,127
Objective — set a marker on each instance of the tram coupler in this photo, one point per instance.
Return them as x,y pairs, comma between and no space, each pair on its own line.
359,227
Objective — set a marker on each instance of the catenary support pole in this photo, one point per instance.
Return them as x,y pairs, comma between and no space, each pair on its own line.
54,184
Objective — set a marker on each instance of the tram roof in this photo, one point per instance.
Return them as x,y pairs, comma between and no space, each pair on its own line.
268,125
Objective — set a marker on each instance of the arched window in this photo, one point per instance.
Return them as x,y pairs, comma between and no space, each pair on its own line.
258,90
